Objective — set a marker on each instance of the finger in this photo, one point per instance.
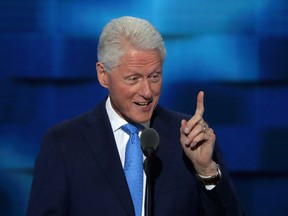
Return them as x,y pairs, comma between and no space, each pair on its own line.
183,126
183,136
200,104
197,130
198,117
201,138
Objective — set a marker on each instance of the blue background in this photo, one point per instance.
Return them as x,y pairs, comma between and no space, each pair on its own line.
234,50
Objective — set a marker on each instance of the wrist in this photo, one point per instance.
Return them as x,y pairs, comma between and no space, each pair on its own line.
209,170
210,179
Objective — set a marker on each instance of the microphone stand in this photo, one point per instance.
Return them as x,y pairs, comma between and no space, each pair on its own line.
149,140
148,190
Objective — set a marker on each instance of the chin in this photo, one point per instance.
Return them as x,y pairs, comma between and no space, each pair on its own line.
143,120
140,117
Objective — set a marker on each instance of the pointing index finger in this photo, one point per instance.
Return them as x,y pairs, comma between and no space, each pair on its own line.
197,116
200,104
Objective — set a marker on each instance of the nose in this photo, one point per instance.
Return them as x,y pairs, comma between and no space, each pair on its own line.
146,91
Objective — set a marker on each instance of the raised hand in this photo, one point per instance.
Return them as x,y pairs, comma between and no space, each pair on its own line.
198,140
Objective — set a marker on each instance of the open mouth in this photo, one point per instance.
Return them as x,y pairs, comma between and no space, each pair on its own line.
143,104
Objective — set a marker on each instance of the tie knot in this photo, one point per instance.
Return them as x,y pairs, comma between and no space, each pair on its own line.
131,129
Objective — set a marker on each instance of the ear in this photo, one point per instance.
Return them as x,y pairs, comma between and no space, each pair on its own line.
102,74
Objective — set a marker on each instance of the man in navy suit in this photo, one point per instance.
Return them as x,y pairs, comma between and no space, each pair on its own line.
79,170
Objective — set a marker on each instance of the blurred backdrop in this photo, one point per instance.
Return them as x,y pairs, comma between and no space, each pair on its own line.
234,50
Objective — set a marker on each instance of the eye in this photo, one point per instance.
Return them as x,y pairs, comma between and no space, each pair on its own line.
155,77
132,79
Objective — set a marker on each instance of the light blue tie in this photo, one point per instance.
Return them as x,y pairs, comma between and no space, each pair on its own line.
133,167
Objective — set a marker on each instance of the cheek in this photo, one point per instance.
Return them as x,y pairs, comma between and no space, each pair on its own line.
157,89
115,88
123,93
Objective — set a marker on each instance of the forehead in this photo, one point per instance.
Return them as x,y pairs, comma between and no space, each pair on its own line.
141,58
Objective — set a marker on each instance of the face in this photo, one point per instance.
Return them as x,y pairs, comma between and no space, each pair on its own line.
134,85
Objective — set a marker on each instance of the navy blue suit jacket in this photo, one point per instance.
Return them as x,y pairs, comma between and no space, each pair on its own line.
78,172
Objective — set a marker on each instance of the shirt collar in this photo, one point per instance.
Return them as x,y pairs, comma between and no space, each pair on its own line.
115,120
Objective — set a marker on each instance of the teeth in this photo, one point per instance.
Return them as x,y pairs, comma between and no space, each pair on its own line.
143,103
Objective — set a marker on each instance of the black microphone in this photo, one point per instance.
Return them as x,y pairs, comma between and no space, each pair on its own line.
149,140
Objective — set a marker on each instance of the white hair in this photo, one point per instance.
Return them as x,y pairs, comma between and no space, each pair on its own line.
127,32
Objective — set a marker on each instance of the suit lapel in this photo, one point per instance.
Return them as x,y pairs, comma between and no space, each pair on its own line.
161,123
101,140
